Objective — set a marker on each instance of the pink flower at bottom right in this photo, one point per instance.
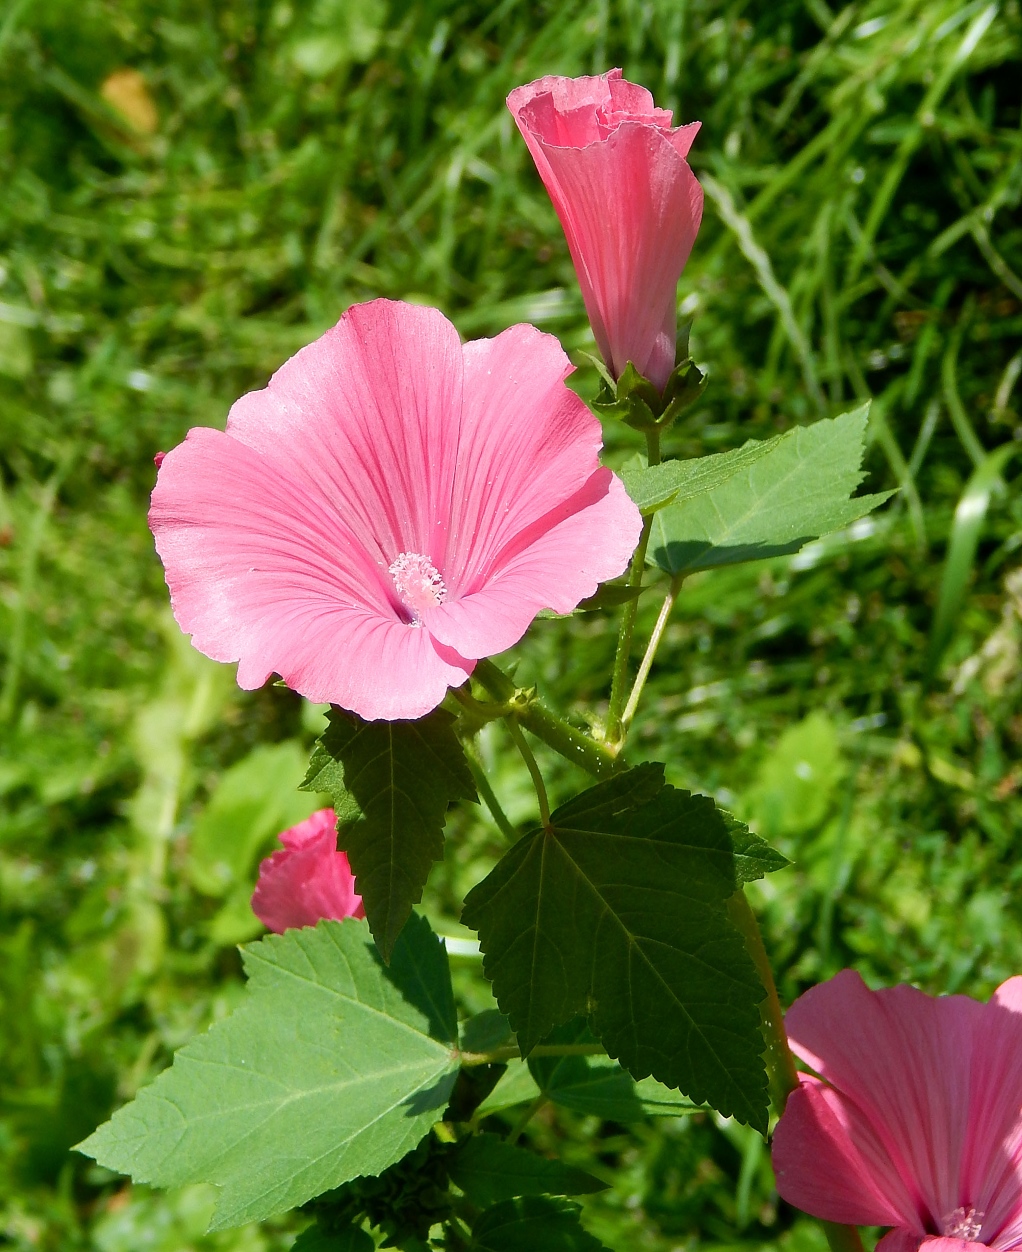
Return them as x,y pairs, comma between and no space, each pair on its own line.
912,1117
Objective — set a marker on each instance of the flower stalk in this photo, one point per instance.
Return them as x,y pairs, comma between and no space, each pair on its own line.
614,729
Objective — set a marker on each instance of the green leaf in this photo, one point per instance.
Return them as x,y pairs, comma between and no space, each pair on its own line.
350,1239
255,800
516,1086
334,1066
391,784
538,1223
618,910
598,1086
754,857
764,499
486,1031
489,1169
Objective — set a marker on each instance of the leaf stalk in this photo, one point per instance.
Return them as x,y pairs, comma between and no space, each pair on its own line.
646,663
511,1052
529,757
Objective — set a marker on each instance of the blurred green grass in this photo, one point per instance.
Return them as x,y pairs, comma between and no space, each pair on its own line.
167,240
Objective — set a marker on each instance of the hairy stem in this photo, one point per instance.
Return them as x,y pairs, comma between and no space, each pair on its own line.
526,1117
781,1072
489,796
651,650
567,740
528,756
510,1052
626,629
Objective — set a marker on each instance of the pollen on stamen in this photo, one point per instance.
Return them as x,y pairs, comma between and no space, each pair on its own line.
963,1223
418,582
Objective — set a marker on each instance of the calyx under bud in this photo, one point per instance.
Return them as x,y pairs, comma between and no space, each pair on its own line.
639,403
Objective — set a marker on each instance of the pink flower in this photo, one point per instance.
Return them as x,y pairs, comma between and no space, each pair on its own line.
392,507
629,204
915,1120
308,880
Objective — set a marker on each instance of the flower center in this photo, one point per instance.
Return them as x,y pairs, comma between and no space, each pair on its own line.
418,583
963,1223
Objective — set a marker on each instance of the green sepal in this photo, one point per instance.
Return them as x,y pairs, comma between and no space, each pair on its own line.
639,403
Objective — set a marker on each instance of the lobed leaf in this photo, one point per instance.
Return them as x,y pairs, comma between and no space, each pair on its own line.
391,784
618,910
334,1066
539,1223
764,499
489,1169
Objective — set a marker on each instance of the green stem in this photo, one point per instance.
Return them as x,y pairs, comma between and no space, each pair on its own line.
526,1117
626,629
528,756
573,744
781,1072
510,1052
489,797
651,650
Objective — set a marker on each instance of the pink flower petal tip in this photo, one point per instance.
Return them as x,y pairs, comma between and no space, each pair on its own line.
629,204
392,507
308,879
912,1117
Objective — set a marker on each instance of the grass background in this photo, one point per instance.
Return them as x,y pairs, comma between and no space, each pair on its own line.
169,236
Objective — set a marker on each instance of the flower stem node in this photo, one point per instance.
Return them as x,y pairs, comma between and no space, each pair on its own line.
639,403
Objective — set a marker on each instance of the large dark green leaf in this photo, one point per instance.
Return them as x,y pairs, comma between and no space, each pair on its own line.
489,1169
335,1065
618,910
533,1224
391,783
763,499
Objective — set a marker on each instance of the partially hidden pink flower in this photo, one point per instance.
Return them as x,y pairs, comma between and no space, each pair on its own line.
393,506
915,1118
629,204
308,880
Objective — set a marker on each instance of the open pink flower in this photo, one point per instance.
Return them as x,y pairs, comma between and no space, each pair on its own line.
915,1120
393,506
629,204
308,880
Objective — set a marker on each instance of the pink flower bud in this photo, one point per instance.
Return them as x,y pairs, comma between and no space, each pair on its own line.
913,1115
629,204
308,880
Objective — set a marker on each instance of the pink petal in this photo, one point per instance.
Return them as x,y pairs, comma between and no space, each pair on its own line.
630,207
830,1164
262,570
992,1160
369,416
555,564
899,1240
902,1059
942,1243
308,880
528,445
